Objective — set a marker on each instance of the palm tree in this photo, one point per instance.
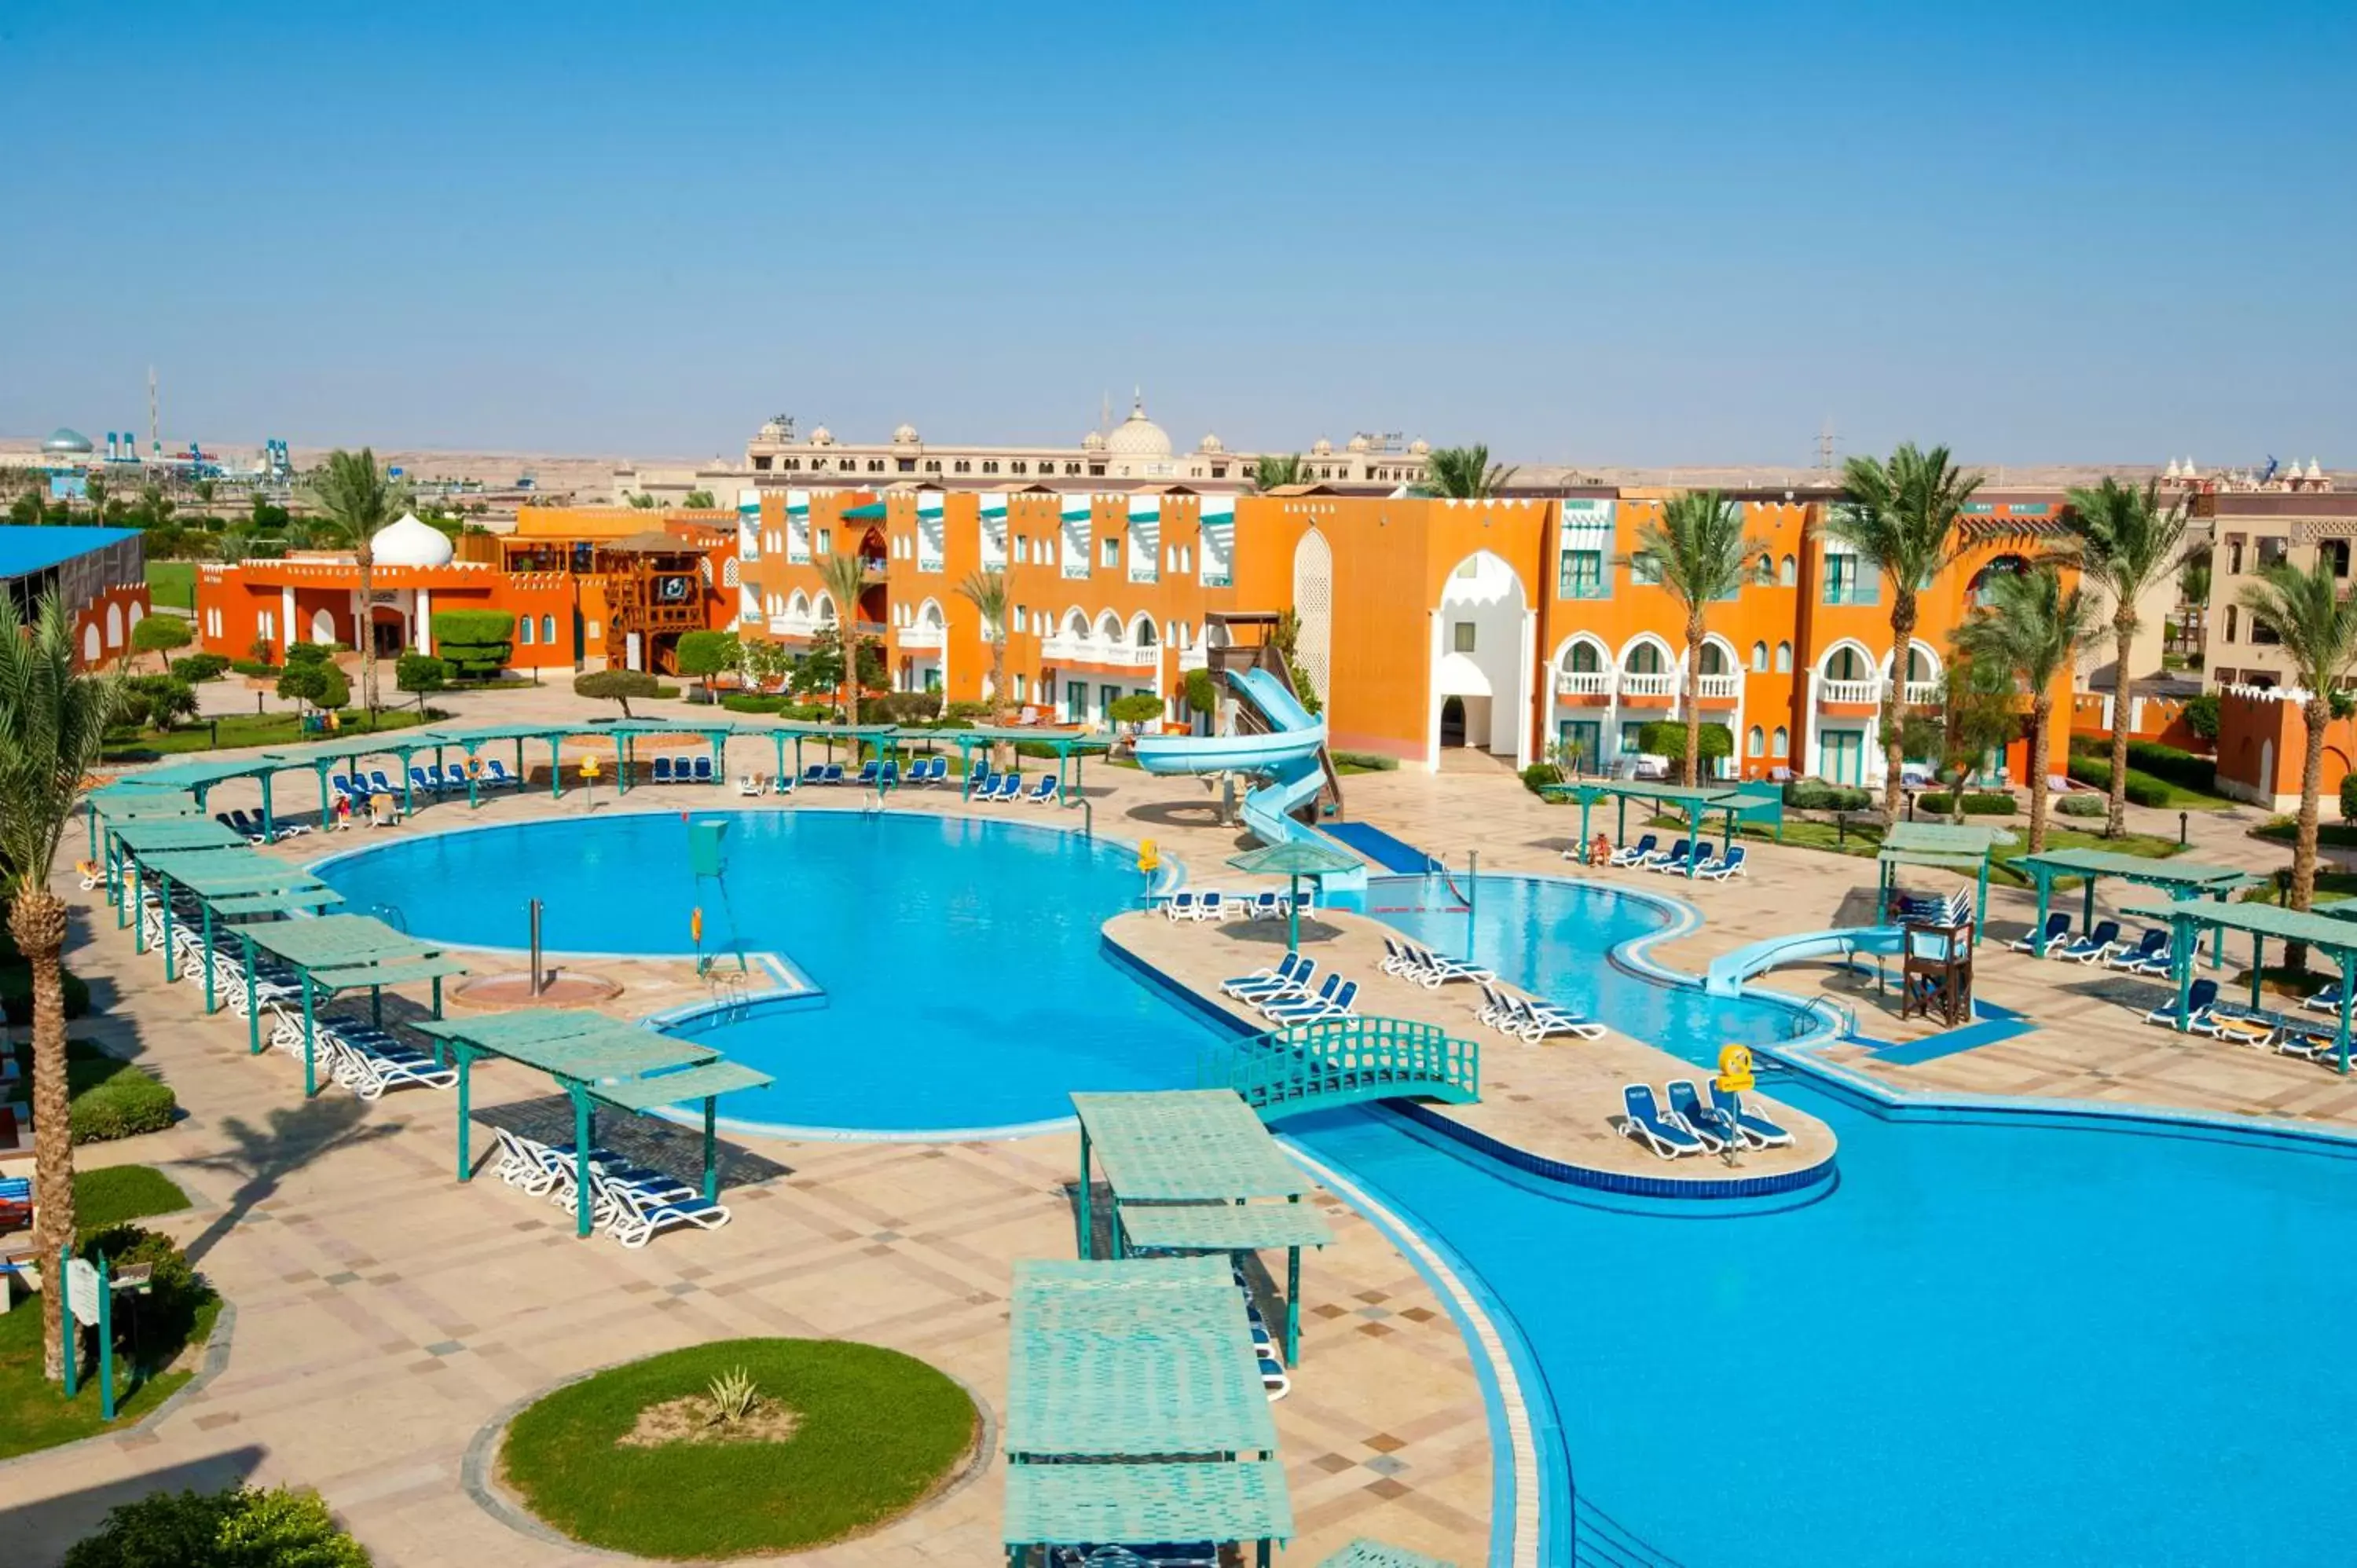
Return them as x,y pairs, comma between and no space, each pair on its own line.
95,489
361,498
1269,472
986,591
2034,631
52,720
843,576
1464,473
1698,551
2122,541
1902,517
2319,631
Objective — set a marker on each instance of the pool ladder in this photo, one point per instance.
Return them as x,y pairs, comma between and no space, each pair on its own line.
392,915
1599,1539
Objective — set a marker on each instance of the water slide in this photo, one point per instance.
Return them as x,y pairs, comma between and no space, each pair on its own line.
1285,761
1730,971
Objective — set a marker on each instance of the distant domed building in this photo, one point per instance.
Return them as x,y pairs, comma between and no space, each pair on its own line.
65,442
409,543
1138,437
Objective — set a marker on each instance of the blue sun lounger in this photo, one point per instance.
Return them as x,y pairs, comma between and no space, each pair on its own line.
1645,1122
2327,999
2199,1000
2058,928
815,773
1707,1123
2096,945
1283,974
1636,853
868,771
1044,791
1674,863
1008,787
1720,870
2153,944
703,769
1329,1003
500,774
1757,1130
832,774
662,774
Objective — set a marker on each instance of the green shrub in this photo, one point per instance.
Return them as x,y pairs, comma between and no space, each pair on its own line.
196,666
2201,712
707,653
316,682
1978,803
906,707
257,667
1137,708
2348,797
311,652
1202,690
2082,805
1666,737
754,702
972,713
420,672
1373,761
2143,788
242,1527
177,1294
158,700
1537,775
2174,766
116,1195
112,1099
475,643
1038,749
16,992
1815,795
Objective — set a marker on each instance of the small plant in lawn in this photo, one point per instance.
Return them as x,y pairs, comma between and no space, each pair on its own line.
734,1396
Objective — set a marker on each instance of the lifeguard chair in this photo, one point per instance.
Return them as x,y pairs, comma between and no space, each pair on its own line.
1938,973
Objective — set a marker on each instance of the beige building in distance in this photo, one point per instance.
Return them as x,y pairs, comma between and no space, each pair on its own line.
2255,523
1133,453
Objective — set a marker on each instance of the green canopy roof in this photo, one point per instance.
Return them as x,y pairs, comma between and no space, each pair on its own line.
150,836
1365,1553
870,512
677,1087
127,802
585,1047
219,873
2316,931
1185,1144
202,775
1295,857
1223,1227
1065,741
1072,1505
344,951
1696,794
2137,868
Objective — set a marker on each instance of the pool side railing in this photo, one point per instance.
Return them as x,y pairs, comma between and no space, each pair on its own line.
1339,1061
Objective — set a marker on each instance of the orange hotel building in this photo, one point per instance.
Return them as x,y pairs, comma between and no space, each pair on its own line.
1510,625
585,585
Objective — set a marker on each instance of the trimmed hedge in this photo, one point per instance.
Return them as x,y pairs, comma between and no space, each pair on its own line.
475,643
2143,788
196,666
1815,795
2082,805
2349,796
243,1526
1373,761
1537,775
1978,803
110,1098
2177,767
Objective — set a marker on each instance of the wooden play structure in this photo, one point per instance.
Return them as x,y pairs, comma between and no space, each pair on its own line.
1938,976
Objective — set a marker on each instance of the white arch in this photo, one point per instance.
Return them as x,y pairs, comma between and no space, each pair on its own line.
1109,629
928,613
138,614
1077,624
1929,654
824,608
323,626
1141,630
92,652
1563,650
799,605
1865,656
1732,660
1313,605
1669,654
114,626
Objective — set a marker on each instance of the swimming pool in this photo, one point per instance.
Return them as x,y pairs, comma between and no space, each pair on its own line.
965,987
1992,1342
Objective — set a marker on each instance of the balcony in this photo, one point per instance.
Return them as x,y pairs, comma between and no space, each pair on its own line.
804,625
1583,682
1062,648
1720,688
1922,694
1194,658
869,629
919,638
1866,693
1649,688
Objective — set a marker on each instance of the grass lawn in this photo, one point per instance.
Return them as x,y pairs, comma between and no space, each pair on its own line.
252,730
879,1431
108,1096
172,582
33,1412
1864,840
2331,888
2286,830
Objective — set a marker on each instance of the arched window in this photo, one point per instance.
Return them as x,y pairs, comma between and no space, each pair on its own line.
730,575
1712,659
1755,743
114,626
2003,566
548,628
1645,659
1583,658
1767,571
1844,665
1782,744
91,650
524,625
1787,571
1760,656
1783,658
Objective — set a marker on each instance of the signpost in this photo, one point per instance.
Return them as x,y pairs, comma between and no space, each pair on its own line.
1734,1078
89,1298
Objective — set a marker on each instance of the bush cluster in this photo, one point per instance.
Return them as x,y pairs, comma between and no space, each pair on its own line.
906,707
1375,762
779,703
1535,776
243,1526
474,643
2082,805
2177,767
2143,788
1815,795
197,667
155,701
109,1098
1978,803
1667,738
259,669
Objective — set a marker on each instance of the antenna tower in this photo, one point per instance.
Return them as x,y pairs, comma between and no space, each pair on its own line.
155,427
1825,448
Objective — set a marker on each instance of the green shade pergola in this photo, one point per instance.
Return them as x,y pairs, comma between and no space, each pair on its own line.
1081,1505
2336,938
125,842
200,777
2180,880
1365,1553
1293,860
1193,1146
596,1059
1069,745
339,952
1954,846
230,883
1730,802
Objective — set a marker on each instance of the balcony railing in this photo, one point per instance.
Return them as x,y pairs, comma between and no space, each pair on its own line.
1583,682
869,629
1865,591
803,625
1636,685
1720,688
1921,694
1850,692
1076,571
1194,658
1089,650
915,638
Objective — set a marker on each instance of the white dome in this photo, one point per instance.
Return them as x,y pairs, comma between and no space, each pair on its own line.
905,436
1211,444
1419,447
1094,441
821,437
1138,436
410,543
1360,444
1322,447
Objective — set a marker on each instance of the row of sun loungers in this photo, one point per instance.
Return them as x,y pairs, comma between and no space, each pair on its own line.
1422,966
1532,1021
2207,1013
237,822
1690,1127
1210,904
1924,909
630,1202
1282,995
1647,854
2149,955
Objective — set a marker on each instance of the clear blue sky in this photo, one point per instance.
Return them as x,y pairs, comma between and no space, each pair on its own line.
1668,233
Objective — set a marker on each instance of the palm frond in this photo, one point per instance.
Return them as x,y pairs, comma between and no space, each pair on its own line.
2032,628
1698,546
1464,473
53,722
2306,611
2122,539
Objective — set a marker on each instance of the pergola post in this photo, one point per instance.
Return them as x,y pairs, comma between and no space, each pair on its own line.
2347,980
408,786
466,1055
209,955
473,778
1088,1215
778,736
519,743
164,897
322,765
2258,965
270,822
2217,936
2087,909
719,740
438,996
1694,836
1587,804
711,1148
310,1076
1293,1303
1980,903
584,1121
376,1005
2045,901
555,767
2183,964
253,1002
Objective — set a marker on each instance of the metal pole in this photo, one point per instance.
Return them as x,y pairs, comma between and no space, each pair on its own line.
105,1342
69,1349
1472,899
534,988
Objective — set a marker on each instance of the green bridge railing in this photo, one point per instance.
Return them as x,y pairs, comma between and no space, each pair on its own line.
1342,1060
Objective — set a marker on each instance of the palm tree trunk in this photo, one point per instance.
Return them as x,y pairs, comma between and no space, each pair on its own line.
2319,714
850,676
1002,756
1693,700
365,558
2115,820
1894,704
2041,714
38,922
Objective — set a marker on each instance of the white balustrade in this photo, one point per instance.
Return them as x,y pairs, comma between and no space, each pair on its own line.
1849,691
1648,686
1583,682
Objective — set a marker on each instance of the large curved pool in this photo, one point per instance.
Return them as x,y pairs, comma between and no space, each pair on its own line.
1992,1342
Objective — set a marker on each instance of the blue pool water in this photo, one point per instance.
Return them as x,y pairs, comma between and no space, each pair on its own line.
1989,1344
965,982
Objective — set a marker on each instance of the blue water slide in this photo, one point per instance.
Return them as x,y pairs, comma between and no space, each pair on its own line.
1284,760
1730,971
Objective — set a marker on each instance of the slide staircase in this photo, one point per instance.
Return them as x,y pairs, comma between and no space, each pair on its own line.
1343,1061
1730,971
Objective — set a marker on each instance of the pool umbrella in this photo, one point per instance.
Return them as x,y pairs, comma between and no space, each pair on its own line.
1294,860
